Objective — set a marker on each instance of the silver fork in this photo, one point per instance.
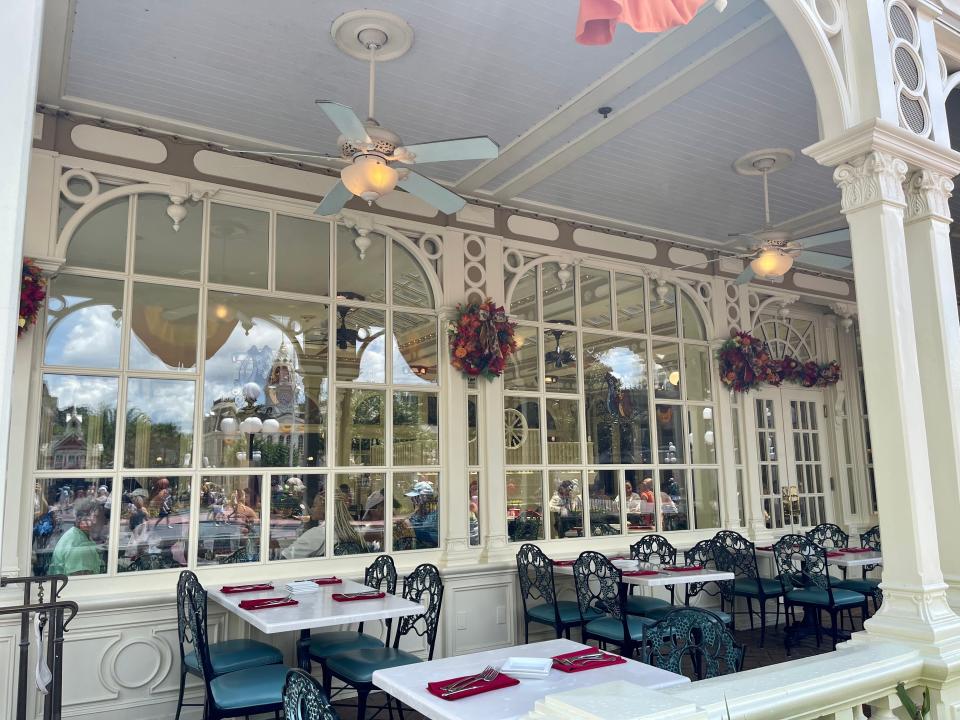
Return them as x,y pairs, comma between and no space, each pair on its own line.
467,680
362,594
581,658
488,675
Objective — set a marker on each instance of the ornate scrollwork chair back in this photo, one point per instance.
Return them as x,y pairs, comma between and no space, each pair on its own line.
597,583
304,699
381,570
425,587
871,538
694,636
535,572
702,554
193,603
801,564
829,536
654,548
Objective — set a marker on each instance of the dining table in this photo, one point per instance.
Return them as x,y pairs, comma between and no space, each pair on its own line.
659,577
313,610
409,684
841,557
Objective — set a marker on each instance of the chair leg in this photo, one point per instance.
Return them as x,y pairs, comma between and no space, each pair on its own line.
362,693
389,706
763,619
833,627
776,620
400,709
327,681
750,610
183,681
526,631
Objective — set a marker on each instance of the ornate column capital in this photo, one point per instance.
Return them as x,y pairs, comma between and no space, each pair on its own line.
928,196
872,178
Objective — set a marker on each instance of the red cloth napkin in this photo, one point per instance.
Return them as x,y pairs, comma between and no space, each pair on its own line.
340,597
611,660
230,589
639,573
327,581
564,563
856,550
766,547
263,603
500,681
834,553
684,568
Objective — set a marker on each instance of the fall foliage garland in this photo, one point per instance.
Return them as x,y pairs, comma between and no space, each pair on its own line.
481,339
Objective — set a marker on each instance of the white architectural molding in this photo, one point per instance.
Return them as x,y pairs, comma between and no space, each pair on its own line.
928,196
870,179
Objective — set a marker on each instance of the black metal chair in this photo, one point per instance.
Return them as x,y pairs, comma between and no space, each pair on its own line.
380,574
535,571
734,553
529,528
304,699
702,554
250,691
651,548
693,635
226,656
803,572
866,585
600,590
423,586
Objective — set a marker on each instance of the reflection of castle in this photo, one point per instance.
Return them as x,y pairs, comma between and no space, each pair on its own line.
62,443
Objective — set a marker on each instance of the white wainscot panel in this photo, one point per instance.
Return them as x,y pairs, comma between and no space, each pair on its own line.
605,242
482,616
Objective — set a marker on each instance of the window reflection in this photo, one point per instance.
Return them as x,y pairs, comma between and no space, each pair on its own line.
78,416
521,419
359,512
163,327
411,287
525,505
566,504
161,250
362,264
84,317
604,492
71,525
416,517
524,305
474,507
595,298
702,439
298,527
414,349
360,427
673,500
154,523
361,344
522,371
416,433
239,246
159,423
696,361
559,304
663,309
563,431
560,360
631,303
230,519
100,241
670,434
666,370
640,500
303,255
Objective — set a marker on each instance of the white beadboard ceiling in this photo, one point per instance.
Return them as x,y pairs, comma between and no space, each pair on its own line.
720,87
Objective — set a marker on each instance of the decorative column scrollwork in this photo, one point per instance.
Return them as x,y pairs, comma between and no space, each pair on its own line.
869,179
928,196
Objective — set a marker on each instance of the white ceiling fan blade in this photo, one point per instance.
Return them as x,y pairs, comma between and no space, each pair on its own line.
745,277
827,238
472,148
832,262
429,191
334,200
346,121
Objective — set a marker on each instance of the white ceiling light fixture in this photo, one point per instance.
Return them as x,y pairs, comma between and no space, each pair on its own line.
372,150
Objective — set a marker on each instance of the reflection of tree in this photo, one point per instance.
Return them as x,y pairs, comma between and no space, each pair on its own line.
152,444
276,454
617,416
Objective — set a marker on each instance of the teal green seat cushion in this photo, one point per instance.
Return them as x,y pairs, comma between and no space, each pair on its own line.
233,655
644,605
841,597
866,586
612,628
327,644
755,587
253,687
569,613
358,666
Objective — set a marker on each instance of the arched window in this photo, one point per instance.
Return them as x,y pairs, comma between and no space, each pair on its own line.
274,374
609,404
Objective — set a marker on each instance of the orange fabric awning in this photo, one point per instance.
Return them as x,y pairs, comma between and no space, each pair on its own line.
599,18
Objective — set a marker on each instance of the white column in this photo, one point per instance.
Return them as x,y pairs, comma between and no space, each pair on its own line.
20,27
938,342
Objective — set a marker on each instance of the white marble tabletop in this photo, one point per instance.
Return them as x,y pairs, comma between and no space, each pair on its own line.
664,577
409,683
314,609
847,560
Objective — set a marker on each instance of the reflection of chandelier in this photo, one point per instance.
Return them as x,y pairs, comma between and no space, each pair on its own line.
557,357
346,336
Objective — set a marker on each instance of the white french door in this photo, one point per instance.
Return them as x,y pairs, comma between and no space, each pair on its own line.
792,458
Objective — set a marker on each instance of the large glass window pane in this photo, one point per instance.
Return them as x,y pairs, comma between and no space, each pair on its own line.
525,505
71,526
78,422
266,358
298,513
631,307
230,520
566,504
641,498
595,298
706,499
410,284
359,508
563,431
360,417
617,410
100,241
603,488
697,366
559,304
416,430
361,265
666,370
163,327
361,345
693,328
673,500
523,304
663,310
414,349
154,523
670,433
239,246
159,429
161,250
703,449
523,367
521,427
474,509
303,255
416,511
560,360
473,436
84,316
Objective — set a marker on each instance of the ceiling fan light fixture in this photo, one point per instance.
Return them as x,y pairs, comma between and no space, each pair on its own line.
369,177
771,263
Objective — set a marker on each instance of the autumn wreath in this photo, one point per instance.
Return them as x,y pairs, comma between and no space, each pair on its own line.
481,339
33,290
745,362
810,373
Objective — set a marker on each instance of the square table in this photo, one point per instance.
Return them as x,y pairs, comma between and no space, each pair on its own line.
314,610
847,560
409,683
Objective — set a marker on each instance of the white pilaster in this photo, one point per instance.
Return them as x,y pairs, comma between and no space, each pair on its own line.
20,27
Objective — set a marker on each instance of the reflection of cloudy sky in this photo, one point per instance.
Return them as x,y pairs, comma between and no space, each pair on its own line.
401,369
373,362
164,401
97,393
89,337
220,371
626,365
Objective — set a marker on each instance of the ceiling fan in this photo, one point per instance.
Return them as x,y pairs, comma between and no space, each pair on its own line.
372,151
558,358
